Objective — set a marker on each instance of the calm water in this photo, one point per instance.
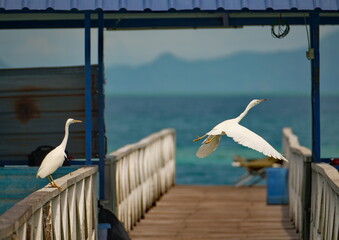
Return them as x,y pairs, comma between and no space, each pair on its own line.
129,119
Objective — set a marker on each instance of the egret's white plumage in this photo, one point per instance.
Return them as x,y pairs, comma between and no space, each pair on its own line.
240,134
55,158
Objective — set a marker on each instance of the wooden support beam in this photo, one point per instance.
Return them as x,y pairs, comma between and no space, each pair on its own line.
88,89
316,144
315,68
101,103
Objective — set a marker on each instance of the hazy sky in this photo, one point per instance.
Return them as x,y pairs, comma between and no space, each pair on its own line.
27,48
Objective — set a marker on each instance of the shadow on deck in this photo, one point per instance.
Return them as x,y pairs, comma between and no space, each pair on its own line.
215,212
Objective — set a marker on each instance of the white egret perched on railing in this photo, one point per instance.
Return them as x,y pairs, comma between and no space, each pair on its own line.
240,134
55,158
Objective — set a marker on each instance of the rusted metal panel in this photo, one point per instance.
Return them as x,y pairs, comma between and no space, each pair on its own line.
34,106
19,147
40,79
43,124
72,102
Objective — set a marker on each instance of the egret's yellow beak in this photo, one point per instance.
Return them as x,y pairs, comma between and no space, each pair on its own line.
77,121
263,100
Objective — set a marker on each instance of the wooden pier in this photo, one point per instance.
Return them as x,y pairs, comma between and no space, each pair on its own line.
215,212
140,191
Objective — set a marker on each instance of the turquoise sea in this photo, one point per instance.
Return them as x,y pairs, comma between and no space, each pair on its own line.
130,118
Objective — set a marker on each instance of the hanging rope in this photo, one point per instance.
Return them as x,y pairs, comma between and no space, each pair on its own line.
310,52
280,28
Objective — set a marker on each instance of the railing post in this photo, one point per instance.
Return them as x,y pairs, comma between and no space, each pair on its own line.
145,170
315,70
101,103
53,214
315,67
88,89
306,197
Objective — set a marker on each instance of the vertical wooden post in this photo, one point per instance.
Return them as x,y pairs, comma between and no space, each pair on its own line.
88,89
307,180
306,198
101,103
315,65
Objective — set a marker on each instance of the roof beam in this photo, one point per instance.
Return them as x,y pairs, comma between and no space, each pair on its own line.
139,21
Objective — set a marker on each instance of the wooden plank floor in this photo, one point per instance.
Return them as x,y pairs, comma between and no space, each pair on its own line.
215,212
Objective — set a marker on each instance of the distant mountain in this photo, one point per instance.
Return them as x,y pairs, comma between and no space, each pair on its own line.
329,60
3,64
247,72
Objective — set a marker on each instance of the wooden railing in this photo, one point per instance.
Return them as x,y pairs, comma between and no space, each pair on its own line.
299,158
50,214
325,202
313,192
136,175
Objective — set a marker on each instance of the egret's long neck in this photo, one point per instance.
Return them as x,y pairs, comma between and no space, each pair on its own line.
64,141
243,114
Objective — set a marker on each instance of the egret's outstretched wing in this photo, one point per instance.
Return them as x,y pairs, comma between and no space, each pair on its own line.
252,140
207,148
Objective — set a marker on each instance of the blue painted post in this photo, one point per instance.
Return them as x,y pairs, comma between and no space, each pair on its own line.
88,89
315,64
101,103
307,181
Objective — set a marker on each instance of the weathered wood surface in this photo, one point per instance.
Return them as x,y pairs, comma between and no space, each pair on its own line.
213,213
19,182
34,106
325,202
323,205
138,174
298,156
43,78
51,214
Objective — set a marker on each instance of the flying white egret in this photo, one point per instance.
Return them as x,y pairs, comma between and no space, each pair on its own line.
55,158
240,134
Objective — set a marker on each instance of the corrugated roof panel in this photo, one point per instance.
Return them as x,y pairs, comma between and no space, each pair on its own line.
162,6
60,5
329,4
271,4
231,4
258,5
11,5
165,5
293,4
182,5
37,4
136,5
305,4
209,5
107,4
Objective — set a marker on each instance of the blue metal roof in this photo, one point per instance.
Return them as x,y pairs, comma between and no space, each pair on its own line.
166,5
